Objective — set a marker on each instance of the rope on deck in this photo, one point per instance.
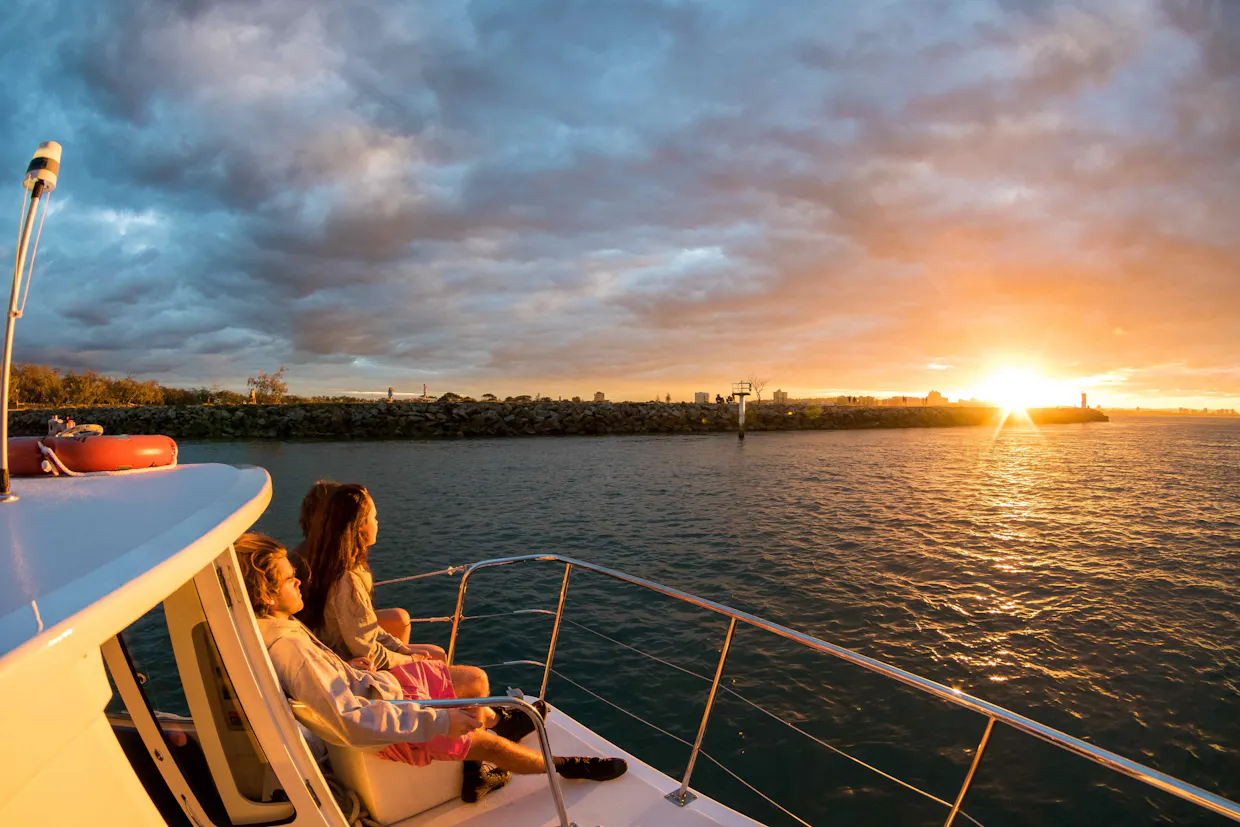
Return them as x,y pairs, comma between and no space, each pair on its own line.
355,813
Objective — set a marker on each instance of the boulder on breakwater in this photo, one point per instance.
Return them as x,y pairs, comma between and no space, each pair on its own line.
434,420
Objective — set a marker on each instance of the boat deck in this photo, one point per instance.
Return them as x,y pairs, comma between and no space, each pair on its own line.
634,800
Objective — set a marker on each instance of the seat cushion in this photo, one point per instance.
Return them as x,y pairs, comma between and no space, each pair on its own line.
393,791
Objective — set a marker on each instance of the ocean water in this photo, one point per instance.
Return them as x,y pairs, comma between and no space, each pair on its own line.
1086,576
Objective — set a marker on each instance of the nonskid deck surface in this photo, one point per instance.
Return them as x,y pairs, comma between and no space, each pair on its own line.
634,800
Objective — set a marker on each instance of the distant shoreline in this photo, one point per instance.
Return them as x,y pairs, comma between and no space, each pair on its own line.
456,420
1193,415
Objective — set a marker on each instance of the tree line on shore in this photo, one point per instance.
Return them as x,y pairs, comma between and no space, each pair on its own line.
43,386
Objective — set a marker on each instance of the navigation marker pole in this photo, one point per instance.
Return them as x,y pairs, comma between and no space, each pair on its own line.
40,178
740,390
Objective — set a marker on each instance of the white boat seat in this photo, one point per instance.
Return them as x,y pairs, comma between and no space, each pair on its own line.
390,790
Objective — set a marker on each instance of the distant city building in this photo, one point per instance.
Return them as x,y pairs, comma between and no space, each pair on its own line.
599,396
1083,405
701,398
935,399
780,397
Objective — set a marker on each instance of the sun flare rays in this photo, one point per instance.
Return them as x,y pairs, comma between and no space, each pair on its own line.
1017,388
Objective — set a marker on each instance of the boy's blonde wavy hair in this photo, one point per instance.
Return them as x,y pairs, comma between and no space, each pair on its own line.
259,555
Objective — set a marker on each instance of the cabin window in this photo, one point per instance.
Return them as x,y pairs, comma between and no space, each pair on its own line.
167,665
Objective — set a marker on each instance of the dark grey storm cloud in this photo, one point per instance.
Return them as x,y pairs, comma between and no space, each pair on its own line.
651,195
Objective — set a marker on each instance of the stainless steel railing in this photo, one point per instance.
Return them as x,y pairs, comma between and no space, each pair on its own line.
1118,763
544,743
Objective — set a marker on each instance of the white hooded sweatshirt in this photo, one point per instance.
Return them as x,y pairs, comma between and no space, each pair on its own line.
351,703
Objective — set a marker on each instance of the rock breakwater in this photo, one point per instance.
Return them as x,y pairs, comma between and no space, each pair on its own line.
417,420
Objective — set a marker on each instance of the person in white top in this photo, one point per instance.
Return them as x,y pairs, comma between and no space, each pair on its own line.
340,610
393,620
338,597
355,703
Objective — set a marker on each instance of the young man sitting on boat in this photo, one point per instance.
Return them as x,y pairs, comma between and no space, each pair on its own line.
353,702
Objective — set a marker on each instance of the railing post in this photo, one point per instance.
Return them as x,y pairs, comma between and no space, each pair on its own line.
456,616
968,779
555,632
682,796
519,703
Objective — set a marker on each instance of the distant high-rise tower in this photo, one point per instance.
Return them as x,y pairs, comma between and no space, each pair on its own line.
1083,405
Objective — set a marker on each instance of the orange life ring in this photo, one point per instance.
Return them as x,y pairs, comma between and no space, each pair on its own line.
92,453
25,458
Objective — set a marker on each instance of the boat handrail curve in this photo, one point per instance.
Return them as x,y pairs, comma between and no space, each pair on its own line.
833,748
524,706
993,712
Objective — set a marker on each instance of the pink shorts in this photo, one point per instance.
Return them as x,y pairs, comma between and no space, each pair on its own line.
424,680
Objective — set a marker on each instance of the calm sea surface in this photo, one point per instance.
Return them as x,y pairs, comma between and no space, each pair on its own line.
1086,576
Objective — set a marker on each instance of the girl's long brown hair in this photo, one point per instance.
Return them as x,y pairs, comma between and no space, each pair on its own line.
312,502
334,547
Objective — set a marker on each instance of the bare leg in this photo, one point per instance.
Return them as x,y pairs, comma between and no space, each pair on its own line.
395,622
487,746
469,682
472,682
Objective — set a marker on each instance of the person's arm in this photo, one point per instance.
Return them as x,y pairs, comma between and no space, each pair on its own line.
428,651
360,631
307,675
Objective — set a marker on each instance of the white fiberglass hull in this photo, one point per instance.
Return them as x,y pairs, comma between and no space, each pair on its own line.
634,800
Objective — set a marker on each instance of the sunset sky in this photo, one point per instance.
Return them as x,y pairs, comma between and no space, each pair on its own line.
637,197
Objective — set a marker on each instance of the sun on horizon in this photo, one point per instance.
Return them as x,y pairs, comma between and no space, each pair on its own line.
1017,388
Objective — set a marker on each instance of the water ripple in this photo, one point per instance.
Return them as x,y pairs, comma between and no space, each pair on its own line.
1087,576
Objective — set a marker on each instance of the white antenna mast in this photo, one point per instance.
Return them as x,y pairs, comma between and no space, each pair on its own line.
41,178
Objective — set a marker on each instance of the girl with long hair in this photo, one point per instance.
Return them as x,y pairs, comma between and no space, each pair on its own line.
340,610
338,595
353,703
395,621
